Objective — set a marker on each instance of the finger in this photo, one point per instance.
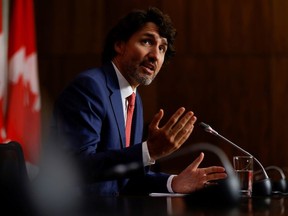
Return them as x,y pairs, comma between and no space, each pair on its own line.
194,165
183,137
215,173
214,169
174,119
156,120
185,132
184,124
216,176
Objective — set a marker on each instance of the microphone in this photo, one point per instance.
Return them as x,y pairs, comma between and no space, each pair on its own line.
261,187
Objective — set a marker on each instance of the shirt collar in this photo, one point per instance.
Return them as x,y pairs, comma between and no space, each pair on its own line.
125,88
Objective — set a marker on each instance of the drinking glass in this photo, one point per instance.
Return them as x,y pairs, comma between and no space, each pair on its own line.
243,166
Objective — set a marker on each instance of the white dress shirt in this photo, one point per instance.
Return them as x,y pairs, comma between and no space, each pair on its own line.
126,90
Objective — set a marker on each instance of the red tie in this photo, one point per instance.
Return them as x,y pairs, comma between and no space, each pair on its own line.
130,110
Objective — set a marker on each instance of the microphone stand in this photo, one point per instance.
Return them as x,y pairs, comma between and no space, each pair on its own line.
263,187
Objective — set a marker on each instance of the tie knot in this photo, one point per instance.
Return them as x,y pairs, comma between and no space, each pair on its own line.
131,99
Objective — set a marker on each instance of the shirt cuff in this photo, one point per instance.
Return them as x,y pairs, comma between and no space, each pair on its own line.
147,160
169,183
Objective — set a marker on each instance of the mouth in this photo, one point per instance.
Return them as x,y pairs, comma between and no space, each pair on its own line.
149,68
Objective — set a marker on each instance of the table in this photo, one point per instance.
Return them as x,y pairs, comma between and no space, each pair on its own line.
161,206
274,205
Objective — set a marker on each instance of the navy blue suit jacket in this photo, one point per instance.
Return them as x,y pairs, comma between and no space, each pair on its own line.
89,115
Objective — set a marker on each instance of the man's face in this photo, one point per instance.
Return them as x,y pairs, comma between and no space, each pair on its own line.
141,57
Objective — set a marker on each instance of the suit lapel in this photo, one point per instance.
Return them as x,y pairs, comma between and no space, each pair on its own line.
115,99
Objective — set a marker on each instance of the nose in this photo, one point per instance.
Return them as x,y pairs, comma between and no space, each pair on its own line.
154,54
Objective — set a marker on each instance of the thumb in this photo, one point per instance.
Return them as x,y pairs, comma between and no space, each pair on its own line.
195,164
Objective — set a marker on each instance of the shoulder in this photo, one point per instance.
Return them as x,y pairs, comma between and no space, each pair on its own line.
93,83
99,74
93,73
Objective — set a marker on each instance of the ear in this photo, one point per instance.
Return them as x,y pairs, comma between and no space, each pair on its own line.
119,47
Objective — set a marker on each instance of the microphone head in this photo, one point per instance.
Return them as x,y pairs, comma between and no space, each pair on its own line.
262,187
207,128
203,125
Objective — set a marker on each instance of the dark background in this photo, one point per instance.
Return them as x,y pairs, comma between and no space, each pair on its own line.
231,66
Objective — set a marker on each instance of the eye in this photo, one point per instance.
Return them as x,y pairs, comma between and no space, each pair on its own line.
147,41
163,48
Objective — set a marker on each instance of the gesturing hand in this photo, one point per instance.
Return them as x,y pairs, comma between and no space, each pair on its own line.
193,178
165,140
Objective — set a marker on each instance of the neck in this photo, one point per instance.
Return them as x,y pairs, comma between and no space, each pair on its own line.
120,69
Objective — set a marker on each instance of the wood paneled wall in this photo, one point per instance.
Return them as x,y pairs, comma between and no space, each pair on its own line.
231,66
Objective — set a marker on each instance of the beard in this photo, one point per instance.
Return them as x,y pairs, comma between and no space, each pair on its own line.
143,79
139,76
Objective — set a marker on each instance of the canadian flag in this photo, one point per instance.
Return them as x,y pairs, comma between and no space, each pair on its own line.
23,123
3,66
2,76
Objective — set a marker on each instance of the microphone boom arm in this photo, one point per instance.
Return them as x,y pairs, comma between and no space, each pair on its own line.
209,129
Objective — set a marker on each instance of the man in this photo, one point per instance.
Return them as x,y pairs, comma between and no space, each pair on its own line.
91,115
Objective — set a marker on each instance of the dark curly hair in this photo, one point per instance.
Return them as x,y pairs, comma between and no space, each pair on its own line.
131,23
